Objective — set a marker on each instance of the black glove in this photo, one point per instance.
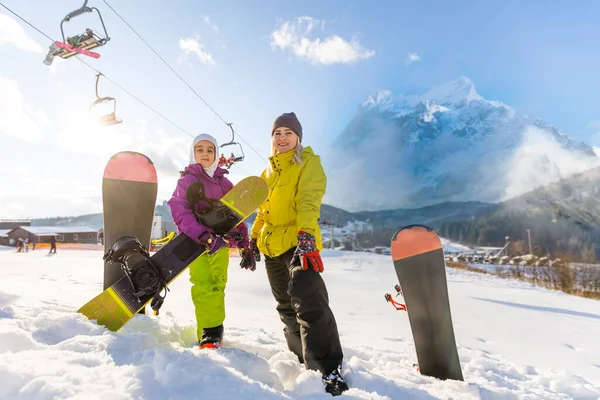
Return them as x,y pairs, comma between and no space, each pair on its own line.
248,259
195,193
233,238
254,250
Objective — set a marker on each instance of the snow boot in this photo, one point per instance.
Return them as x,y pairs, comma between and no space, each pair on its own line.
335,383
211,337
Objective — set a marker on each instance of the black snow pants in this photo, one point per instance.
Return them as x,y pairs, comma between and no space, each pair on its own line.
303,305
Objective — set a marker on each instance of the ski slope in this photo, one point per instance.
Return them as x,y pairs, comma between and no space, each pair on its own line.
515,341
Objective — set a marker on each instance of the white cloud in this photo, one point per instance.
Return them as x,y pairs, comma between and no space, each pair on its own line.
594,128
13,33
58,66
540,160
193,45
47,168
208,23
17,117
411,58
295,36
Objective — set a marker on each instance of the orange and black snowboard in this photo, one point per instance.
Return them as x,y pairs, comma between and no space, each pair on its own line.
419,262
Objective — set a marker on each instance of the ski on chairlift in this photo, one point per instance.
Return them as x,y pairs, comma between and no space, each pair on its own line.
77,44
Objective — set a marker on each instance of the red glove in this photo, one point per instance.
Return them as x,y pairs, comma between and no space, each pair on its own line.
306,253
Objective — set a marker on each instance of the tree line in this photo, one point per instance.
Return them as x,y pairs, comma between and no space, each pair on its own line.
558,237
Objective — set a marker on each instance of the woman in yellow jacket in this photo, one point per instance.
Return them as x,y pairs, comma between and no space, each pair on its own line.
287,233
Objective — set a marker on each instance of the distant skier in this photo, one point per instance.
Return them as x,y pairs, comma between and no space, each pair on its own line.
286,230
208,273
77,39
52,245
230,160
222,160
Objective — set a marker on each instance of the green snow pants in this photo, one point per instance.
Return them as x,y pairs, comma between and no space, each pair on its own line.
208,275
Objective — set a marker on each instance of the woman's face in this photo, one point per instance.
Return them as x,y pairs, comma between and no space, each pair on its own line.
285,139
204,151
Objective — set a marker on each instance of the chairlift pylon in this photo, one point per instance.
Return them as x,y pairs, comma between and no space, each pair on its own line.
110,118
235,156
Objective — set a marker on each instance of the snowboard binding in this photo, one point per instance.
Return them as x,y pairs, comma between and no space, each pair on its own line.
389,299
143,275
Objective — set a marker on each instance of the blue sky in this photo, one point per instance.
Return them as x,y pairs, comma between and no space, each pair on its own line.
252,61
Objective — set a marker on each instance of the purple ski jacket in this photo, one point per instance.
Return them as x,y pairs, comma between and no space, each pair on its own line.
214,188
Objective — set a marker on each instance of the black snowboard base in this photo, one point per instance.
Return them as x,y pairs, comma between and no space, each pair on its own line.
419,263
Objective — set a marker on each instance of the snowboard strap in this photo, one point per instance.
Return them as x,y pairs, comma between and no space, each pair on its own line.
158,299
389,299
397,306
143,275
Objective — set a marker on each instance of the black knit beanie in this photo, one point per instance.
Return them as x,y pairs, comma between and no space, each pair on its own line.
288,120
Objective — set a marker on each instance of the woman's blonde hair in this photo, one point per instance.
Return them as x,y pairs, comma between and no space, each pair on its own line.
297,159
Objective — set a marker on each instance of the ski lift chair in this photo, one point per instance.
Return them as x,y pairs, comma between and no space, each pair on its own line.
89,43
238,155
110,118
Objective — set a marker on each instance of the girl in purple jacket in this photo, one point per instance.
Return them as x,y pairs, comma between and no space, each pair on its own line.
208,273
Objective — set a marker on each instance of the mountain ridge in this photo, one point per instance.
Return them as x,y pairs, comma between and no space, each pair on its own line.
446,146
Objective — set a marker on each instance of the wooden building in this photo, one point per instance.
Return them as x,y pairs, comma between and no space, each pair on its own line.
42,234
4,237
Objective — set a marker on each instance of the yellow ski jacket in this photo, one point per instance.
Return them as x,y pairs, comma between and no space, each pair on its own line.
293,203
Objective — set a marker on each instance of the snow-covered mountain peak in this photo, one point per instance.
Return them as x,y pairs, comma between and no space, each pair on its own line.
447,144
456,93
459,91
379,98
427,109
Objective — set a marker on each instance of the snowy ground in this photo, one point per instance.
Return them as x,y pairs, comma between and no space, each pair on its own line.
515,341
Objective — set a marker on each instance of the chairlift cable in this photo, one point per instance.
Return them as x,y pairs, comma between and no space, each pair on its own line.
27,22
243,170
138,99
107,78
127,91
179,76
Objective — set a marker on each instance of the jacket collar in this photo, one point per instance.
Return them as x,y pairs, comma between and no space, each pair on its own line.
280,161
198,170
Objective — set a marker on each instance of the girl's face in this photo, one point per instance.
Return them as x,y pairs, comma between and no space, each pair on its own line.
204,151
285,139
